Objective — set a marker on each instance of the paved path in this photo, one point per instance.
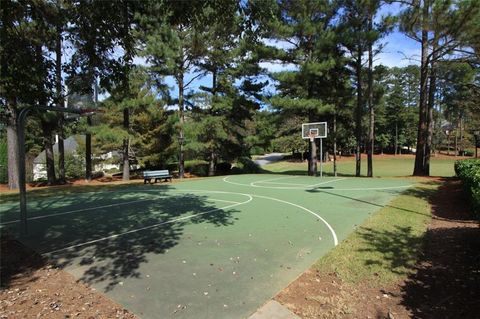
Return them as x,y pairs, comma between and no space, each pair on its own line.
273,310
268,158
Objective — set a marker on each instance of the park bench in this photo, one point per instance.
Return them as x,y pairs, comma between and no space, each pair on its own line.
162,174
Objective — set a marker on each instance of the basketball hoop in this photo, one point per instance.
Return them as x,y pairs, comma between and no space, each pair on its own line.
315,130
312,131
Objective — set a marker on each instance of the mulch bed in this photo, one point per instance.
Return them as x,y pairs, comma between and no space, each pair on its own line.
32,288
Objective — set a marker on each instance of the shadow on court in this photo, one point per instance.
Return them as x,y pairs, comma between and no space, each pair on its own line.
109,242
415,191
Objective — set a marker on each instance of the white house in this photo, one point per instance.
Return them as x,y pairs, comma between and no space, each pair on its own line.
70,147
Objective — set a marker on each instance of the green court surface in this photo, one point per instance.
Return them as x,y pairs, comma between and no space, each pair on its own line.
208,248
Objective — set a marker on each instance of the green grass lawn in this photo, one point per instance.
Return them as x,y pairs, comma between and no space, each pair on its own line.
388,166
385,248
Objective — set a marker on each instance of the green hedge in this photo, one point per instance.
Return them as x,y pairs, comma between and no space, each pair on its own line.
196,167
245,165
469,173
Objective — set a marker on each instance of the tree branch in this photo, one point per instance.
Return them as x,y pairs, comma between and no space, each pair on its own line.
193,79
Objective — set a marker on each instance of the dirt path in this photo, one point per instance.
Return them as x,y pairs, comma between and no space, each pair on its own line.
446,283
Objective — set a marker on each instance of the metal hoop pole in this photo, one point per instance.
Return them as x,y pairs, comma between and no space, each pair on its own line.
321,157
21,167
22,115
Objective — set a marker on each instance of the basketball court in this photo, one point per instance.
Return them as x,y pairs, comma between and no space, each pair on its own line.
206,248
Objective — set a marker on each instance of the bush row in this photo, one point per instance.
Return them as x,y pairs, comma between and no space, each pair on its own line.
200,167
469,172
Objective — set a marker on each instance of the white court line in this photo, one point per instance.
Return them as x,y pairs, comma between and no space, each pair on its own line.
223,201
368,188
225,179
270,180
279,183
331,181
101,207
80,210
335,240
151,226
252,184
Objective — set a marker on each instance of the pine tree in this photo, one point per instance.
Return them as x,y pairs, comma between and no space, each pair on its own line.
306,29
25,71
172,45
438,25
93,32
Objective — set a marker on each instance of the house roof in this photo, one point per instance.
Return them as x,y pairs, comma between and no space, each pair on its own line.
70,145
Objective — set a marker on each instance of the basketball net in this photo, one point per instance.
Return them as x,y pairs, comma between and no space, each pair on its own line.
312,137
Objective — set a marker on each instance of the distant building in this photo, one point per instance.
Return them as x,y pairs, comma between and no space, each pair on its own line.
71,146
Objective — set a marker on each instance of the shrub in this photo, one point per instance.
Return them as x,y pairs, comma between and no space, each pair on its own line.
246,166
197,167
256,150
223,168
172,167
468,153
74,166
469,172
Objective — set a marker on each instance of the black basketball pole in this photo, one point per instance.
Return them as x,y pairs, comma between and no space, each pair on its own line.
21,156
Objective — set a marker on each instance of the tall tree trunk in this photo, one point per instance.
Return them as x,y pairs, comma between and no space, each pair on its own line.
126,145
181,159
448,143
461,151
88,137
422,132
211,164
49,156
213,158
126,112
12,144
88,151
335,143
358,114
455,144
371,126
313,159
431,105
396,138
60,103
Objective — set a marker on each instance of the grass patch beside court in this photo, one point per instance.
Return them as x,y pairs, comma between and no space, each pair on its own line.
383,166
385,248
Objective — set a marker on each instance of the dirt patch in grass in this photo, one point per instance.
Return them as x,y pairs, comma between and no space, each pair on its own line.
31,288
321,295
445,282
